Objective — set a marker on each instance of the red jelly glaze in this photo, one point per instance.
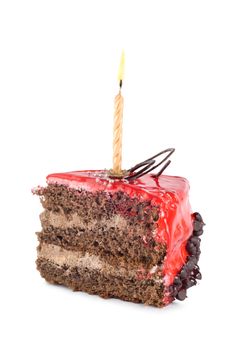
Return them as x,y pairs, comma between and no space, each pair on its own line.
174,226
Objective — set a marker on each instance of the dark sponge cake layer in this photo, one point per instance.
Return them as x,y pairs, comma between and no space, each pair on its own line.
105,285
101,204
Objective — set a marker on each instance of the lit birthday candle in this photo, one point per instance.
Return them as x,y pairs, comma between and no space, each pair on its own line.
141,241
118,116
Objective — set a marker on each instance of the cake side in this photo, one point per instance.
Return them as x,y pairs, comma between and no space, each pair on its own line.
95,242
190,273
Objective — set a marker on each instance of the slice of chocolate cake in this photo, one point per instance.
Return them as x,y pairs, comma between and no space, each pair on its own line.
134,240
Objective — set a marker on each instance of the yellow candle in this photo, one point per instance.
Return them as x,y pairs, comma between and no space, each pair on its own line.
118,116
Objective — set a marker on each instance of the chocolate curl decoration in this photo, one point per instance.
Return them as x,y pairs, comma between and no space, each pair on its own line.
149,164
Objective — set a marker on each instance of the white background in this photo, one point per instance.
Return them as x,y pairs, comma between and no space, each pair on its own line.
183,88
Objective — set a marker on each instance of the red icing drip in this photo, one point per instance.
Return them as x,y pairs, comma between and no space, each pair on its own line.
169,192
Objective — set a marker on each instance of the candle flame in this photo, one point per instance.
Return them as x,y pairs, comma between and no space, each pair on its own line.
121,67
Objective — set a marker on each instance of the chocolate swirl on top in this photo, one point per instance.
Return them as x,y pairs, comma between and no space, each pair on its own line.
149,164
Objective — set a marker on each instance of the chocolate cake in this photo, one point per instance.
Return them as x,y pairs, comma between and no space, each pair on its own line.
133,238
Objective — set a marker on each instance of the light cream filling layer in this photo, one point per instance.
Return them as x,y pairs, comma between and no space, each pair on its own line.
63,221
60,256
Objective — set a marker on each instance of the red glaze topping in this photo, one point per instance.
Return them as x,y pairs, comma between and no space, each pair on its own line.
169,192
